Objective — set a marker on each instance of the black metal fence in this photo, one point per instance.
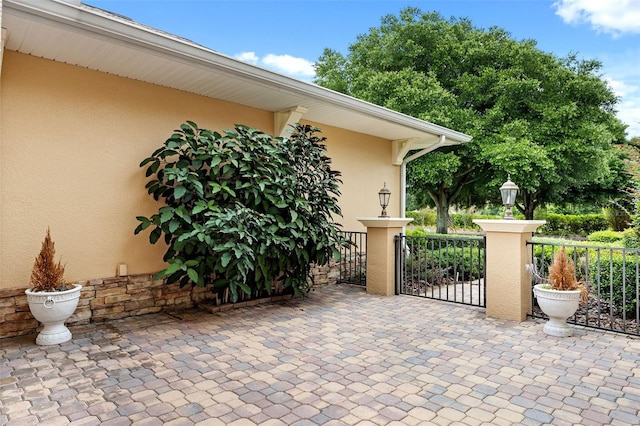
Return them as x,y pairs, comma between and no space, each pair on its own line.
353,259
444,267
612,278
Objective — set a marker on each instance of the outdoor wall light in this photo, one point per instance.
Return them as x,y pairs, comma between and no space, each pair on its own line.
509,191
384,196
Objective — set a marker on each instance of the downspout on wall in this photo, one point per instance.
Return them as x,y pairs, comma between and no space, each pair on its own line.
403,171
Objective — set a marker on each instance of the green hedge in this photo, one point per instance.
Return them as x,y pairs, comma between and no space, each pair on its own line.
429,254
465,220
567,224
418,232
615,269
557,224
574,253
428,218
422,232
606,237
423,217
617,280
630,238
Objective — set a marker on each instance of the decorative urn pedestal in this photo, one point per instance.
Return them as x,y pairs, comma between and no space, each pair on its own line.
52,309
558,306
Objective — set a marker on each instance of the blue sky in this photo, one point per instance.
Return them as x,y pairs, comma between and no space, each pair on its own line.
287,36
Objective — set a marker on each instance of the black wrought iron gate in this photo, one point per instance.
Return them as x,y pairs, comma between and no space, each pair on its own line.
444,267
353,259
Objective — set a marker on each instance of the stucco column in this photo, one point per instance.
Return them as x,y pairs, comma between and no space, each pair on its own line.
381,252
508,285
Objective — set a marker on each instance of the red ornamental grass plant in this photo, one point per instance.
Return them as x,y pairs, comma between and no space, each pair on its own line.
47,275
562,275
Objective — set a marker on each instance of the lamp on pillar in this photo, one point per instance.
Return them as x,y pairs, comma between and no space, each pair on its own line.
384,195
509,191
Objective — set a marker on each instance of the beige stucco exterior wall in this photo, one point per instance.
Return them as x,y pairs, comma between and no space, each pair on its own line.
71,140
365,164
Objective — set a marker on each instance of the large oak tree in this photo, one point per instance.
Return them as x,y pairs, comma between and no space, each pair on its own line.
548,122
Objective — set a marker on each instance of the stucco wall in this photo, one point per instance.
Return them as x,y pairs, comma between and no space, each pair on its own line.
71,140
365,164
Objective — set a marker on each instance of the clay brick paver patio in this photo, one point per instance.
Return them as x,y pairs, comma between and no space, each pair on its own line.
339,357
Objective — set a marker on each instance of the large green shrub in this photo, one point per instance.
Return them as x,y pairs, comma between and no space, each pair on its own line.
243,209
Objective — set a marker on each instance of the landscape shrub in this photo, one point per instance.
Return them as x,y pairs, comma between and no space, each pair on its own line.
243,210
455,253
463,221
630,238
544,254
424,217
606,237
417,232
557,224
428,217
617,218
561,224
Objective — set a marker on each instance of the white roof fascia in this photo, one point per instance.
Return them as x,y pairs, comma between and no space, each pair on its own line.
114,28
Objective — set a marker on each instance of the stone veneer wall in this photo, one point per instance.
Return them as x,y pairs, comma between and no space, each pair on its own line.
120,297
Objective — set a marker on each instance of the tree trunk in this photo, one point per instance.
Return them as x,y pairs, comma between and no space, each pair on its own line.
442,209
528,205
528,211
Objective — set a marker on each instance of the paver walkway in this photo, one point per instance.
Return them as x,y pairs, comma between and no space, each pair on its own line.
339,357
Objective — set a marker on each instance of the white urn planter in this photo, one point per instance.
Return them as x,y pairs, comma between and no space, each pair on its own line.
558,305
52,309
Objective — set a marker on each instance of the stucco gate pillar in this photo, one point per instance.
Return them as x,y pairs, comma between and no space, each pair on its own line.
508,285
381,252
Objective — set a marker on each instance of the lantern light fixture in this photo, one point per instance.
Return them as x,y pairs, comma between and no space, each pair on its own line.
384,195
509,191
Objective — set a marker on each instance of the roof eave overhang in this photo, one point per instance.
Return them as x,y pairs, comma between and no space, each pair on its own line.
90,22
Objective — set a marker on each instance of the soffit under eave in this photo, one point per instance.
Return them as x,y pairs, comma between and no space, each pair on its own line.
204,73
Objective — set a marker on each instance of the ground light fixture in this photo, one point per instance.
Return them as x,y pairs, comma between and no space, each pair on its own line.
509,191
384,195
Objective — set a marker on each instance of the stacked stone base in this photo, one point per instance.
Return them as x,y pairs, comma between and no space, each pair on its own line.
120,297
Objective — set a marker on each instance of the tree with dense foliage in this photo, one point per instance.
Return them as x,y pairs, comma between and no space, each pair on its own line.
243,210
631,205
548,122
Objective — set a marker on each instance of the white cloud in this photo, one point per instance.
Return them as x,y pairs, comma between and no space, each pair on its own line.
623,78
284,64
615,17
620,88
248,57
290,65
629,114
629,105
